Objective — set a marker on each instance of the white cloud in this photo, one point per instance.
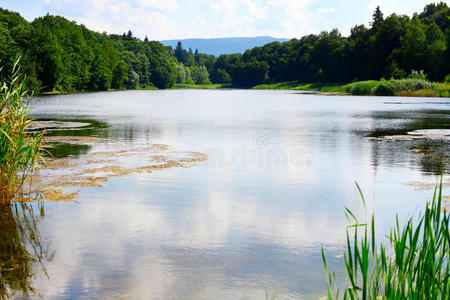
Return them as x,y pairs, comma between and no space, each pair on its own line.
202,21
254,10
158,4
324,10
57,2
297,16
142,17
225,7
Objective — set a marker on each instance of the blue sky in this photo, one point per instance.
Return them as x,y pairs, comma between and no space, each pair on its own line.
174,19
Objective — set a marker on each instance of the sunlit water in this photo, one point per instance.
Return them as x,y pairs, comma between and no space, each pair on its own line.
282,166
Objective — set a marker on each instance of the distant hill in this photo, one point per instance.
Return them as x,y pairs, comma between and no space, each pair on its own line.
220,46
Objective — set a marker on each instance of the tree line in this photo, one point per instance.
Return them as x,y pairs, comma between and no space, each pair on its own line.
58,54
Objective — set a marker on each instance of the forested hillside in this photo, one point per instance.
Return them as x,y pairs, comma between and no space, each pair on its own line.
61,55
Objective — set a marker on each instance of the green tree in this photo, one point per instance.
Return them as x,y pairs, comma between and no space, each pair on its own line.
220,76
414,46
101,74
181,74
435,53
164,73
48,54
120,75
377,17
250,74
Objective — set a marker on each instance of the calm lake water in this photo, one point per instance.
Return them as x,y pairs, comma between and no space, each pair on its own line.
281,168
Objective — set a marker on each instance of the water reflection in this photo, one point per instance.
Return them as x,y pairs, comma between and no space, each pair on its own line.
398,122
22,252
430,156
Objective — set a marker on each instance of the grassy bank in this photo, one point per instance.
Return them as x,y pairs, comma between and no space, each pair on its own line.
182,86
178,86
295,85
393,87
401,87
19,150
414,265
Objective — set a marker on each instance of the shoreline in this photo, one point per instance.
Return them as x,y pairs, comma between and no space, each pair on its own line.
442,90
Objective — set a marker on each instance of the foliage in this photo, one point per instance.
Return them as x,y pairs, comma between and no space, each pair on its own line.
250,74
391,87
447,79
19,150
384,88
417,75
199,75
415,264
120,75
362,87
202,86
295,85
395,72
220,76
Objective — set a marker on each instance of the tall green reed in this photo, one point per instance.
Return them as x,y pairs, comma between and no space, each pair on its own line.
414,265
19,150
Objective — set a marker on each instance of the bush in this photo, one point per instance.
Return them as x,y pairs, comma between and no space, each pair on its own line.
447,79
385,88
395,72
412,85
417,75
419,93
361,88
391,87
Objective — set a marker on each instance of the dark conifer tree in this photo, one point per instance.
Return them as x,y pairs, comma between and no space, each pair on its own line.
377,17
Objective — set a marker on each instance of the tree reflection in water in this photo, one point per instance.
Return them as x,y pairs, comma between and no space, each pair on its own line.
21,252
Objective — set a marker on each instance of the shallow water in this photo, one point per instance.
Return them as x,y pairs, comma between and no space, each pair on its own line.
281,167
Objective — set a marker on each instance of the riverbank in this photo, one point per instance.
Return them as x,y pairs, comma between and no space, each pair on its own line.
178,86
393,87
399,88
298,86
184,86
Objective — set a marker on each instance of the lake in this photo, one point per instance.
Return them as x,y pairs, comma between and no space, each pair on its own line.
280,168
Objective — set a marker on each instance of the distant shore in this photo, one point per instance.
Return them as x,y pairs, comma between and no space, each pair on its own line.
408,88
393,87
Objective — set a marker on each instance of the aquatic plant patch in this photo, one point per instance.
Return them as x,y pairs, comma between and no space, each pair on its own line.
59,179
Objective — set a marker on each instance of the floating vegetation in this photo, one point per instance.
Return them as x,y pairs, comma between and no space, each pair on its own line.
85,140
415,136
57,177
426,186
49,195
51,125
428,148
